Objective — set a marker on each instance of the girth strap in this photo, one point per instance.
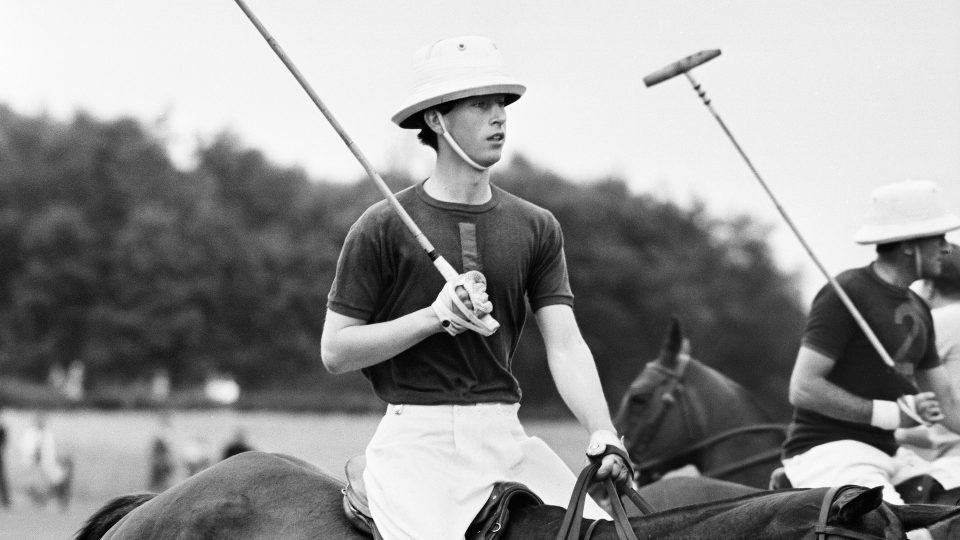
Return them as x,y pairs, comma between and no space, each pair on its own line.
570,527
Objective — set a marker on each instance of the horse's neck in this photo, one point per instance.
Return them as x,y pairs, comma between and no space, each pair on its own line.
719,402
696,522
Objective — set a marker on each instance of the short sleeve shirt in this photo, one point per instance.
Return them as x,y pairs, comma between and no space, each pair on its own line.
384,274
901,321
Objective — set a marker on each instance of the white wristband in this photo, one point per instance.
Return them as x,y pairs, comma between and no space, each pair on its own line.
885,415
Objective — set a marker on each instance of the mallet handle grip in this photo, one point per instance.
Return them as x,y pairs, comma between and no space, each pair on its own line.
446,270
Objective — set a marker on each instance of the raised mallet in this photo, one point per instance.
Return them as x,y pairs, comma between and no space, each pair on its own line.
446,270
683,67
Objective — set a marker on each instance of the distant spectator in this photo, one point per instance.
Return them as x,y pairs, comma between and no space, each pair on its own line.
196,455
48,476
237,445
162,461
4,487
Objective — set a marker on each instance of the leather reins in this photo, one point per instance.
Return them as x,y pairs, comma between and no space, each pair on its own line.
572,519
718,438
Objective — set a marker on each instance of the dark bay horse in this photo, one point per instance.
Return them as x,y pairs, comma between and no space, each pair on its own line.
260,496
679,412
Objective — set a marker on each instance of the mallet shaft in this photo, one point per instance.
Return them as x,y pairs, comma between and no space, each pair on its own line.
445,268
683,67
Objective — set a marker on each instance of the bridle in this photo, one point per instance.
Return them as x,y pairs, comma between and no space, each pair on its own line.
668,399
729,468
570,526
824,531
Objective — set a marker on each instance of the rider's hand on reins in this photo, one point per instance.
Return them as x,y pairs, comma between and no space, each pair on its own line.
613,465
928,407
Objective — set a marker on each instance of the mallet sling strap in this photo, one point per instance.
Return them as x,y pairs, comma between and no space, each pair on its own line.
572,520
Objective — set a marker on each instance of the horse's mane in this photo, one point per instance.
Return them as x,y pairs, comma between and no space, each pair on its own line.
99,523
725,384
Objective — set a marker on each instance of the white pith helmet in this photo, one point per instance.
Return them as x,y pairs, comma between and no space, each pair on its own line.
903,211
452,69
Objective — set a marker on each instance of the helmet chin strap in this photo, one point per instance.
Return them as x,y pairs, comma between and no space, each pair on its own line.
456,147
917,260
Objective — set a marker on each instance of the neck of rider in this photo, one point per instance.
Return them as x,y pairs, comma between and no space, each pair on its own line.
902,266
457,177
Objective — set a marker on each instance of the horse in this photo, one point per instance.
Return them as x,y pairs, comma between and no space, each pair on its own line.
679,412
263,496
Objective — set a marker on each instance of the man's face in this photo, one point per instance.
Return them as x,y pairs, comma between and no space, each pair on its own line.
478,124
932,250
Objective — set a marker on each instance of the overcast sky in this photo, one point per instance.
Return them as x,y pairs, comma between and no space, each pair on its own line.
829,99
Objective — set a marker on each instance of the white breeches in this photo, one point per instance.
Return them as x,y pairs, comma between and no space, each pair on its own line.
852,462
431,468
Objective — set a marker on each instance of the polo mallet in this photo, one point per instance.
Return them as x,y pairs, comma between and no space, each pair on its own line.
684,66
446,270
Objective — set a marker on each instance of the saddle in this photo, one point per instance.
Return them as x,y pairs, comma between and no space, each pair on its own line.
490,522
917,490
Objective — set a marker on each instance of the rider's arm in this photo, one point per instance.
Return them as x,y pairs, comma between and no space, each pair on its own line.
349,344
937,380
575,374
810,389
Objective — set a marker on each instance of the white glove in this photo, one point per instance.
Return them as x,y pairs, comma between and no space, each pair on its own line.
452,309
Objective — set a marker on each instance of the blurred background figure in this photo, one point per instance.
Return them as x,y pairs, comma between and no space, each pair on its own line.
237,444
48,475
942,293
196,455
73,384
160,386
162,457
4,485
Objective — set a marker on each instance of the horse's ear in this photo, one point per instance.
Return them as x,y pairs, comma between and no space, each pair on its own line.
916,516
864,501
672,344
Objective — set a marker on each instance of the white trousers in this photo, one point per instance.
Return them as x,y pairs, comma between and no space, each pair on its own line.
431,468
852,462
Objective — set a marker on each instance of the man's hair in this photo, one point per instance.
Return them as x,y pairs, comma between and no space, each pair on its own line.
888,248
426,135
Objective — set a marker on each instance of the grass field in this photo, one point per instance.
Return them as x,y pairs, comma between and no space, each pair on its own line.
111,452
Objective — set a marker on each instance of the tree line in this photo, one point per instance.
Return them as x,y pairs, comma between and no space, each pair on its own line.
113,256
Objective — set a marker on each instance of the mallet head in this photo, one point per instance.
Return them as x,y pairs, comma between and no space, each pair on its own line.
680,66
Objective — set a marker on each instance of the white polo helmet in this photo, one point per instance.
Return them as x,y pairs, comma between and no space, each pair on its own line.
903,211
452,69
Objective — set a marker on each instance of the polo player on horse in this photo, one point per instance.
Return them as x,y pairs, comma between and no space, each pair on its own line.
845,396
451,429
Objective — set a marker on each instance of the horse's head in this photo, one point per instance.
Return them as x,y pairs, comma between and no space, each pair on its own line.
649,418
679,411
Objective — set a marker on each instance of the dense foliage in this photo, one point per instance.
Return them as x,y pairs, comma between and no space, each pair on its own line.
111,255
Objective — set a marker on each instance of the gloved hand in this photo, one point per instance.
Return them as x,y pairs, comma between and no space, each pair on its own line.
462,303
